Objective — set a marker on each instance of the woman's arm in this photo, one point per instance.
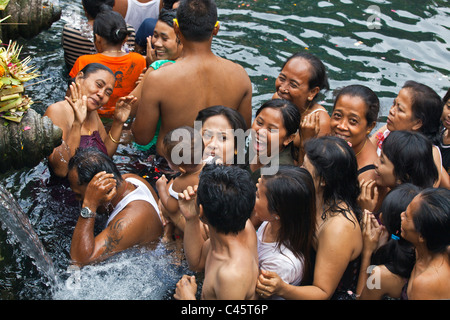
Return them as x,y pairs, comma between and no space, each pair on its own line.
338,244
121,114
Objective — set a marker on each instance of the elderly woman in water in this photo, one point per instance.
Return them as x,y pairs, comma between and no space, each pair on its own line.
78,118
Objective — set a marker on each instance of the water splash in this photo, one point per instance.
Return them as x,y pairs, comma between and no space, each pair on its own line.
21,231
134,274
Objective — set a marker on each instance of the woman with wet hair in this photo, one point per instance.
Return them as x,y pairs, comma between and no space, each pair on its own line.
426,224
392,258
338,241
285,202
406,157
275,126
417,107
78,118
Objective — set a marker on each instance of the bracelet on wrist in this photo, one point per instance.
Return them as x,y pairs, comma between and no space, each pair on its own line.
112,139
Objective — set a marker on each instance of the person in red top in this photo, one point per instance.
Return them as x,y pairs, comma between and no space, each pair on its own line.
110,32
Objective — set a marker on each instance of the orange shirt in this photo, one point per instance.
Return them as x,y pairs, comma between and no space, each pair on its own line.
126,68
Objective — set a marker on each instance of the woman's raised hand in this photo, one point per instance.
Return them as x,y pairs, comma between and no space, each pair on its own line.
123,108
78,102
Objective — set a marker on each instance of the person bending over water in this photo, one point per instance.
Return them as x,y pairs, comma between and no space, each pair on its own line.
128,199
229,257
78,118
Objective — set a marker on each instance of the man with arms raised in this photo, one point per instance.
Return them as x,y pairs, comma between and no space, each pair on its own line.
199,79
225,198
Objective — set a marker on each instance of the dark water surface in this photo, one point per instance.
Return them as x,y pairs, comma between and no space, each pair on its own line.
376,43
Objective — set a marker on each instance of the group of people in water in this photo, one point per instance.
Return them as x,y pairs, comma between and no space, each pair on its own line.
315,206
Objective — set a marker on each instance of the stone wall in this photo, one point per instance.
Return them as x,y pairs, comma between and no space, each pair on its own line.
28,18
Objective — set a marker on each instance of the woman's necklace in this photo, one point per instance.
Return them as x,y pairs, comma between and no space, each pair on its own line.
112,51
361,148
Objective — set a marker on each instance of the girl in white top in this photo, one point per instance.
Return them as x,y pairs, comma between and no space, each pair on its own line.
285,202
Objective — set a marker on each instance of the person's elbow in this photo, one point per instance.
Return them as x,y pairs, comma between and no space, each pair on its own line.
140,137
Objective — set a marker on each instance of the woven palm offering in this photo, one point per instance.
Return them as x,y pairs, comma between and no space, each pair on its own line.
13,74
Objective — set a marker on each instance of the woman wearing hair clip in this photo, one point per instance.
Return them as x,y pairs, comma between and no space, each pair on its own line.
110,33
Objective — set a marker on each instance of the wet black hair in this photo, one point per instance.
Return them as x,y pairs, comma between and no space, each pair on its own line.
90,69
197,19
426,106
367,95
167,16
227,195
111,26
411,153
168,4
318,74
291,195
94,67
398,255
432,219
90,161
336,166
93,7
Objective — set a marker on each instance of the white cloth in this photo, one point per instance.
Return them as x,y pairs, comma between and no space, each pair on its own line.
138,12
140,193
282,261
172,192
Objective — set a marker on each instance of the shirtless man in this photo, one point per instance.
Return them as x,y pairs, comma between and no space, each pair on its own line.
199,79
129,199
229,257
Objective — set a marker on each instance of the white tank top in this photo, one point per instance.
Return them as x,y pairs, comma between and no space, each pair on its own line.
138,12
140,193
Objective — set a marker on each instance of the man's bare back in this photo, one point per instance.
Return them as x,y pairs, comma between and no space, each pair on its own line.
197,80
179,91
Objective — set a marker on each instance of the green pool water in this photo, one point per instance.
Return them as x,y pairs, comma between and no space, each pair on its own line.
381,44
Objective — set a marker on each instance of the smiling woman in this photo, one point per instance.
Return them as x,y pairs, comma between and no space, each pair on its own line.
78,118
354,115
301,79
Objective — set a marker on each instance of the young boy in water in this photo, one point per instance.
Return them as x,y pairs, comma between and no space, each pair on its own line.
183,150
225,197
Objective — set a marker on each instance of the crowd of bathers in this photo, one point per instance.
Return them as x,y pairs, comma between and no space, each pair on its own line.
294,202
